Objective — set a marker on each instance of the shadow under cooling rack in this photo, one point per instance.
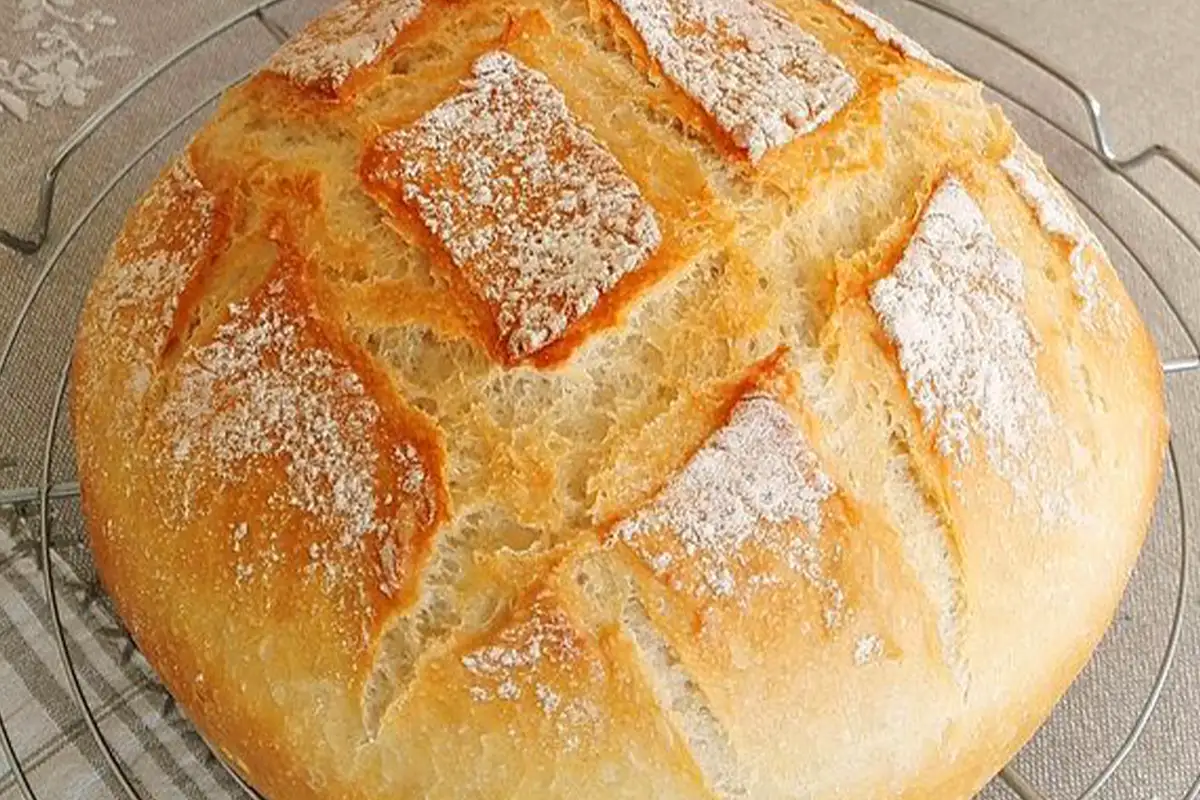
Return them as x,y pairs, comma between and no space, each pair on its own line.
46,494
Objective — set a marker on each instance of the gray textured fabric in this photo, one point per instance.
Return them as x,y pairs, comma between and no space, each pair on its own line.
1136,57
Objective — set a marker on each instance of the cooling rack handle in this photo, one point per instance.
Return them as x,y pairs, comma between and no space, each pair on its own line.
28,245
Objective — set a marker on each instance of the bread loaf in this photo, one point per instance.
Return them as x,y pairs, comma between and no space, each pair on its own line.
613,398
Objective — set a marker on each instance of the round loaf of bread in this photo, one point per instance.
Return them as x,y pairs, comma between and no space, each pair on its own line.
613,398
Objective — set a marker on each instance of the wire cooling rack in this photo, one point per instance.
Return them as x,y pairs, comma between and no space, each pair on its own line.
66,580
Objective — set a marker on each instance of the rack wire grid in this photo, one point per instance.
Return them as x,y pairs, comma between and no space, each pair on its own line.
61,555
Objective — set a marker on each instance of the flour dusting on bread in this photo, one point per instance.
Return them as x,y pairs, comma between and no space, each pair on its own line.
763,79
868,649
350,36
954,307
539,218
755,485
265,391
521,661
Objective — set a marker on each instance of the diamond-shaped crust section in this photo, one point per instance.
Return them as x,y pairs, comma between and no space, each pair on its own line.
537,217
273,392
353,35
762,79
748,504
954,307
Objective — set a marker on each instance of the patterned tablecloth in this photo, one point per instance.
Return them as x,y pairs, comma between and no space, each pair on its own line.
60,60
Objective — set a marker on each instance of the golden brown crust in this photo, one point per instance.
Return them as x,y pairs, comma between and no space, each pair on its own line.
770,511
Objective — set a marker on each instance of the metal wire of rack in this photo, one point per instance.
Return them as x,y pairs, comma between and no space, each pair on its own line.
46,493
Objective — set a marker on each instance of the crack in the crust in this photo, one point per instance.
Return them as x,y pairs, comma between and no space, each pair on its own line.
1081,375
683,701
204,300
928,544
442,610
599,29
394,666
202,306
921,523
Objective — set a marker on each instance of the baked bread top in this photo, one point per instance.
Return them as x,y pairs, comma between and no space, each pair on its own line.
613,398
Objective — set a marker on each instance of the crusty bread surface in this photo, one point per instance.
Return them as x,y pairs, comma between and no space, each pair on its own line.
613,398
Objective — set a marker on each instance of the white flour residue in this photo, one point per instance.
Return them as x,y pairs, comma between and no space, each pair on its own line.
262,392
746,489
763,79
350,36
868,649
529,660
168,239
538,216
954,307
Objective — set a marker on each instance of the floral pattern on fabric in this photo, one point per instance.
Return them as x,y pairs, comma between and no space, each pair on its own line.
58,67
